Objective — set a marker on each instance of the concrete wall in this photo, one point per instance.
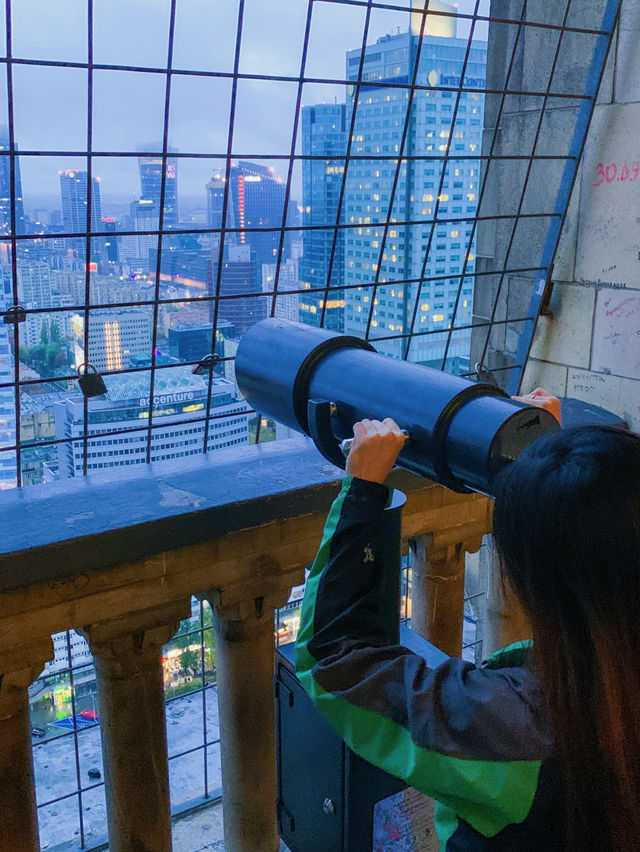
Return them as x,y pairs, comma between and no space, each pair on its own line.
588,346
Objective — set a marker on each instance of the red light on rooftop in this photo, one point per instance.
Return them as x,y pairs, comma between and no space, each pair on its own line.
107,219
92,267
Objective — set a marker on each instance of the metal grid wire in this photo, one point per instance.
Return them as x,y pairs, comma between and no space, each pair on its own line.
78,811
544,159
475,19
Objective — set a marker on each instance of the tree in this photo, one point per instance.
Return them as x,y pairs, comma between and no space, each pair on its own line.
44,333
190,659
55,331
51,353
37,353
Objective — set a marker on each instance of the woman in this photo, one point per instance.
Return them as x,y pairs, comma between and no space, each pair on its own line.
539,749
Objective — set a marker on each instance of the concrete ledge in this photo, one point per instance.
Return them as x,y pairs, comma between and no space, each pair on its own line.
55,531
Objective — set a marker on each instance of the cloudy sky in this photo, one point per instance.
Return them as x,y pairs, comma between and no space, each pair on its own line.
50,104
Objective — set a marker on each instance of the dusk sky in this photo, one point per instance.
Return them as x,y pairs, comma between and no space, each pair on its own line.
50,103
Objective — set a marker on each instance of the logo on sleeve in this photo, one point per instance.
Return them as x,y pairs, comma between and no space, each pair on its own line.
368,554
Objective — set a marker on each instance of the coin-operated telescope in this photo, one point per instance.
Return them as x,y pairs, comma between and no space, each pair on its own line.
461,433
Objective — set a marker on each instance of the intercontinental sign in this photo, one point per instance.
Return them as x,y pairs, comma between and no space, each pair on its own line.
435,78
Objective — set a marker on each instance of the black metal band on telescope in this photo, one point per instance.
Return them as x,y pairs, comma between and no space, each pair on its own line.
462,434
300,391
441,428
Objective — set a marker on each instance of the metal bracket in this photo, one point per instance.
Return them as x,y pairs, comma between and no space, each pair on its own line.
319,414
14,314
206,365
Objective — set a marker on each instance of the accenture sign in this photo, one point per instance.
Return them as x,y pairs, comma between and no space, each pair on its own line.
163,399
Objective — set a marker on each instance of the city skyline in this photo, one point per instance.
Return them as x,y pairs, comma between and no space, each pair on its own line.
53,117
123,267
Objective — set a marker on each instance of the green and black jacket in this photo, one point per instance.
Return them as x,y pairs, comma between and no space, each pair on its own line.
476,739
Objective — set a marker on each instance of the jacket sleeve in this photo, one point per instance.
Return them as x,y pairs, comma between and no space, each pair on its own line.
471,738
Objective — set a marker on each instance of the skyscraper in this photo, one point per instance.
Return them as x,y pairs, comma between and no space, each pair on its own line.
110,243
256,200
215,203
74,193
5,189
135,248
8,458
323,133
238,279
151,183
378,130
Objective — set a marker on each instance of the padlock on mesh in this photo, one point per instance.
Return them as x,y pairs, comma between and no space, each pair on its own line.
90,381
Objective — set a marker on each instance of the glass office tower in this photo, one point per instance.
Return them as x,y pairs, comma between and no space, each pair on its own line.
324,133
407,262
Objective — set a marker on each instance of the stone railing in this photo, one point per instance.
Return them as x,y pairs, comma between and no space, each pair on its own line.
118,558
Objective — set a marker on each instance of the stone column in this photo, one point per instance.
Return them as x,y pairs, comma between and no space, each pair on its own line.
245,668
127,654
505,621
18,812
437,591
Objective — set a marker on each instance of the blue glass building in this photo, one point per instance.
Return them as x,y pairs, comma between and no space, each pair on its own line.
414,253
256,200
324,134
5,189
8,458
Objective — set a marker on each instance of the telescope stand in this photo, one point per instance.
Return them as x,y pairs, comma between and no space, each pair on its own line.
329,799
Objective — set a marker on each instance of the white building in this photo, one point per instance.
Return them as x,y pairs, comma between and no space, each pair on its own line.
116,335
80,653
179,396
135,248
286,305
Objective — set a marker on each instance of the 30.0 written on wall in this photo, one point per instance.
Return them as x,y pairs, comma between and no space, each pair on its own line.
613,172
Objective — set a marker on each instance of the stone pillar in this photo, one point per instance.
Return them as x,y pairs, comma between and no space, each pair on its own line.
18,812
437,591
127,655
505,621
245,668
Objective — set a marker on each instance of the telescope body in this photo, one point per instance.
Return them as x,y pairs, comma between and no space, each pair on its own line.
321,383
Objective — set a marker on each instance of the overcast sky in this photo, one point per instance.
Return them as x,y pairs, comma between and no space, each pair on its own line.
50,103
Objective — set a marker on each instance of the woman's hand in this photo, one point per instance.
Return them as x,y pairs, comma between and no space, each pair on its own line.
543,399
375,448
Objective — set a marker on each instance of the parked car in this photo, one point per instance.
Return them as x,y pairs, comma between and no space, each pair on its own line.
90,714
94,772
38,732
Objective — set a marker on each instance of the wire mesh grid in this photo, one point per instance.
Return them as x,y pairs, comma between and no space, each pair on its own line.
66,738
349,187
336,162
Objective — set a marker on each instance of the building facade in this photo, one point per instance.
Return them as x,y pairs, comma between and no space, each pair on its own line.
242,302
5,189
256,200
287,302
8,458
324,133
114,336
75,198
151,184
179,396
413,257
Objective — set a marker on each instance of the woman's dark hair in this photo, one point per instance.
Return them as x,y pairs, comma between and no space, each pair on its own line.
567,528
